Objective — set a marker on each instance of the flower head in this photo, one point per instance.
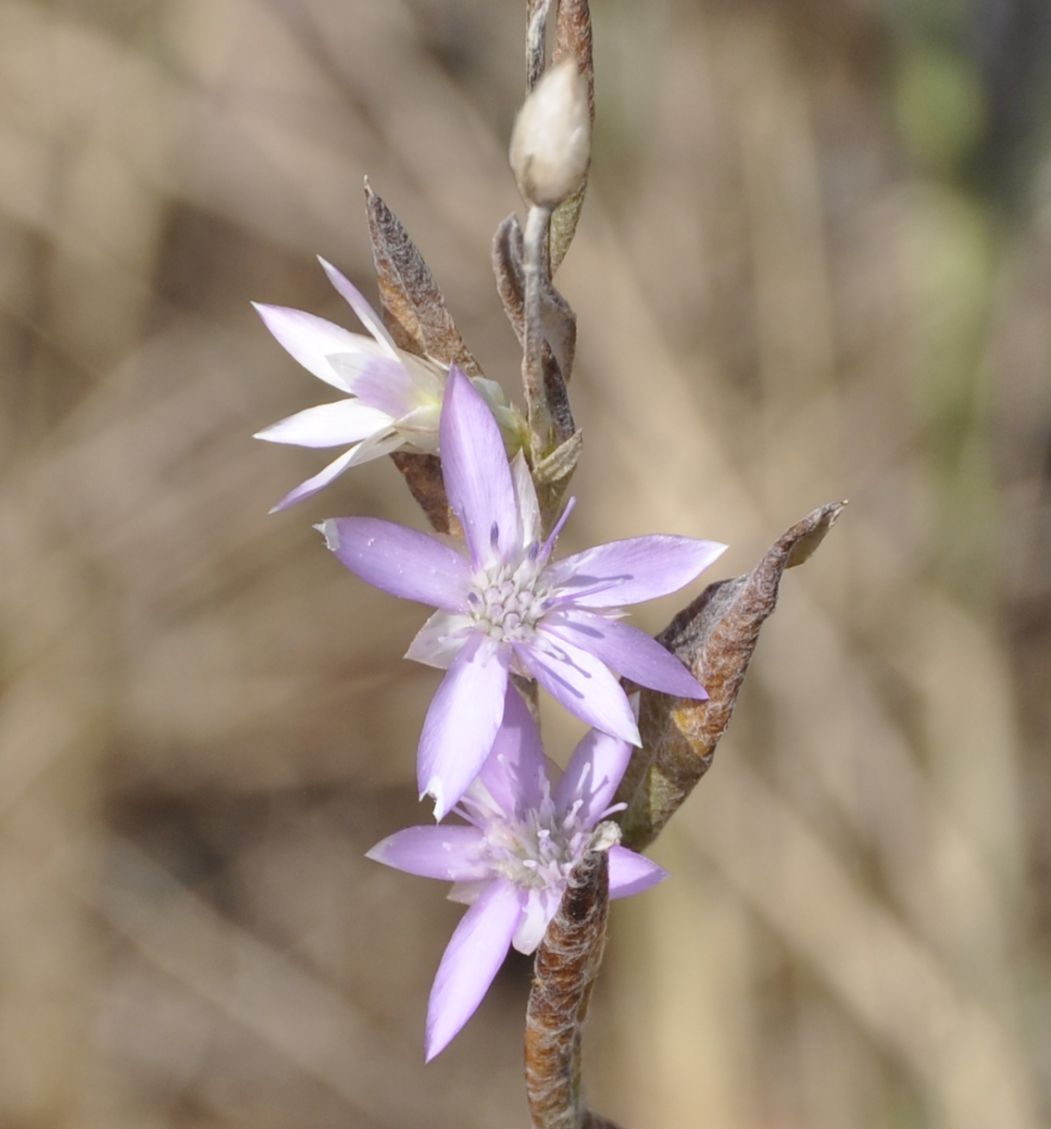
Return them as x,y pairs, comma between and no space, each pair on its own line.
511,860
395,398
505,607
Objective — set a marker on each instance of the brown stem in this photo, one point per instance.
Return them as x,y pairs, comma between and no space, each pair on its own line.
564,972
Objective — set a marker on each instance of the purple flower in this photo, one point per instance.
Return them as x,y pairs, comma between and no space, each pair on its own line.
511,862
505,607
395,397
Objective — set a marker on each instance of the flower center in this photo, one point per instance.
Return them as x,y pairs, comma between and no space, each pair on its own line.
539,851
507,603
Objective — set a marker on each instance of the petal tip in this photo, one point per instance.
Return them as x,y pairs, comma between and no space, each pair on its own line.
330,531
436,791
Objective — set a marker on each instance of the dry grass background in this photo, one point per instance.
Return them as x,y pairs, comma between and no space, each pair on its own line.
815,264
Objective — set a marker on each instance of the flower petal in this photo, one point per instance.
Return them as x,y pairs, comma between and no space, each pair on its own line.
440,639
627,572
526,501
311,340
467,893
328,425
461,723
363,452
631,873
515,772
375,378
592,776
627,650
399,560
582,683
540,907
476,472
366,314
450,853
470,961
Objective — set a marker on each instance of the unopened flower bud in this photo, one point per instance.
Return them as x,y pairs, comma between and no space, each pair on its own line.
551,141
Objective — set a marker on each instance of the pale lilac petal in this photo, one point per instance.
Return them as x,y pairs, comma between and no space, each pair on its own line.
363,452
467,893
515,772
526,500
399,560
311,340
450,853
582,684
476,472
631,873
540,907
376,379
470,961
366,314
440,639
592,776
328,425
461,723
627,650
627,572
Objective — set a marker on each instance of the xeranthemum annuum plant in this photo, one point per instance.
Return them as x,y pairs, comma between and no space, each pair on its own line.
533,851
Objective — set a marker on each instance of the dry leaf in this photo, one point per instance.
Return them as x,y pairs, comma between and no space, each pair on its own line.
715,637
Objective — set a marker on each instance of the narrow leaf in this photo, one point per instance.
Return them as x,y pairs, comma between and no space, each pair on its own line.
557,316
510,280
572,40
536,40
413,307
715,637
423,476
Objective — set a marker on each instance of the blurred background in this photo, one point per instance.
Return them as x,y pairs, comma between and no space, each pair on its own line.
815,263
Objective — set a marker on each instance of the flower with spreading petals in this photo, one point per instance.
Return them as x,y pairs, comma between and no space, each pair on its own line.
394,399
512,859
504,607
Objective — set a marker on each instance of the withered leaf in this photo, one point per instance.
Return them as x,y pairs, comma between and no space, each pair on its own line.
508,269
557,316
423,476
413,307
715,637
536,40
572,40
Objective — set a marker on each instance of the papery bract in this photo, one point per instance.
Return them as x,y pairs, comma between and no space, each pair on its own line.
527,828
395,397
505,607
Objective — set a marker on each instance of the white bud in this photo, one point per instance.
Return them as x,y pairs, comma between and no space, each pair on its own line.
551,141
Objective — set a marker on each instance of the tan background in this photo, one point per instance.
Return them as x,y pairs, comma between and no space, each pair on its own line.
815,264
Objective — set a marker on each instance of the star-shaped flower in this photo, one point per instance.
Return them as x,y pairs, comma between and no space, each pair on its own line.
394,400
505,607
527,828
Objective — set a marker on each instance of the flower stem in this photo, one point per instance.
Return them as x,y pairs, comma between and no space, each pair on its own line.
534,271
564,973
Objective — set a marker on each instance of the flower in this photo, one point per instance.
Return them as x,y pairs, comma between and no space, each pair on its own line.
395,397
505,608
512,860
